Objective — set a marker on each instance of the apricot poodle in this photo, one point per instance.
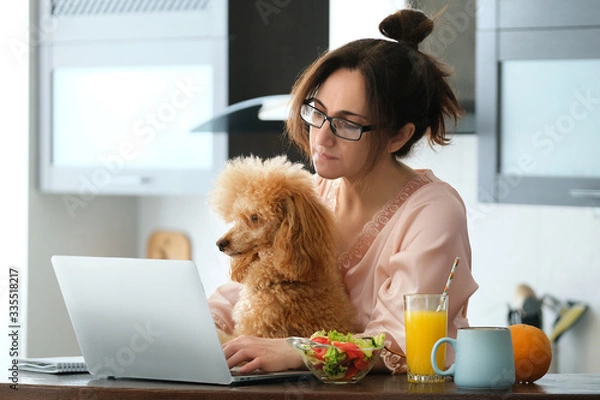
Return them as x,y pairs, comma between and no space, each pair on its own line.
282,249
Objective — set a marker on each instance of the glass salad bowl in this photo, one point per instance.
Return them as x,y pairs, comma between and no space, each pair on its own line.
337,358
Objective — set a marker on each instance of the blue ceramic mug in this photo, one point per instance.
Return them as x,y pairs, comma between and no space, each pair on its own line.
484,358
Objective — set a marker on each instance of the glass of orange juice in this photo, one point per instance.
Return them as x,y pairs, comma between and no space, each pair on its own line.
426,321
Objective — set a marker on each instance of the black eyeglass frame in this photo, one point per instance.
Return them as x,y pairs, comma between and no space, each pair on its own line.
363,128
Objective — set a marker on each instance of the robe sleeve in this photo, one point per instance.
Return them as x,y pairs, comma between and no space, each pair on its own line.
221,304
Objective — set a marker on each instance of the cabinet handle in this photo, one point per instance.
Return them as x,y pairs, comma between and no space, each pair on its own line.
585,193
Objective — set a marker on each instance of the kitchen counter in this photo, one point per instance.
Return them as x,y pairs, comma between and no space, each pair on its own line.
374,386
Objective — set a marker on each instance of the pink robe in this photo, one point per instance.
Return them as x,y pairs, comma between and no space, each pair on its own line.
408,247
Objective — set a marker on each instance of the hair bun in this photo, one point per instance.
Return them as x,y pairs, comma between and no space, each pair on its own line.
409,26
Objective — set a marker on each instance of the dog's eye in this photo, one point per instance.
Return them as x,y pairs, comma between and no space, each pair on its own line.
254,218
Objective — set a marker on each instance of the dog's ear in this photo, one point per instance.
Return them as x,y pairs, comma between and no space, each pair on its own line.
306,237
238,267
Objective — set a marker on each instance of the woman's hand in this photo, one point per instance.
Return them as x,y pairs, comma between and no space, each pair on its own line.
261,353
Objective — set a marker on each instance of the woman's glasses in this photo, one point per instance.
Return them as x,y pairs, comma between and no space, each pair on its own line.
340,127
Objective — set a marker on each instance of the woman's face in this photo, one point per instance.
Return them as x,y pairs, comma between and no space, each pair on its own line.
342,95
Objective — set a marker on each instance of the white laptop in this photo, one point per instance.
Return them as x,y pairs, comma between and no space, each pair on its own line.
146,318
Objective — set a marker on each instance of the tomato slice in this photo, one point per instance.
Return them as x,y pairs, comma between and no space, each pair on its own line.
320,352
361,363
351,349
321,339
352,371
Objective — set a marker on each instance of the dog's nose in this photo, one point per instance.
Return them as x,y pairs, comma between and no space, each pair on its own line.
222,244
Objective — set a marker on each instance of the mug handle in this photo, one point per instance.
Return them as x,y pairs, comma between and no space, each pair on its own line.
434,350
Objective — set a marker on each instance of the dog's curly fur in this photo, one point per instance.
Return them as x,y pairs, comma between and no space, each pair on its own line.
282,249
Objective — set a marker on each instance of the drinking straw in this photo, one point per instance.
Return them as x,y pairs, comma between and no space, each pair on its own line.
448,282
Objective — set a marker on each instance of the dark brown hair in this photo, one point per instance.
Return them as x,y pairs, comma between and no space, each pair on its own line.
403,84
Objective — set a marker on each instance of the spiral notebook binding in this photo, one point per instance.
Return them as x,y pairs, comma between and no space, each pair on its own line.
53,365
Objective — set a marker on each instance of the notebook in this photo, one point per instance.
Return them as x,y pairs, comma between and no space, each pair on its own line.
53,365
146,319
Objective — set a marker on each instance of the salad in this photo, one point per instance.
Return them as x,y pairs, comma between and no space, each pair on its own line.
343,356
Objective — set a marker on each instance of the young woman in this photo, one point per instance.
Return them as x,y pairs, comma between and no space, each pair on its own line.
356,112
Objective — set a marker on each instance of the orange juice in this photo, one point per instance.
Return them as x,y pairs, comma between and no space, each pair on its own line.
423,329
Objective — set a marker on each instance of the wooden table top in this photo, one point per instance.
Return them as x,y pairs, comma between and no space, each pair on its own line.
374,386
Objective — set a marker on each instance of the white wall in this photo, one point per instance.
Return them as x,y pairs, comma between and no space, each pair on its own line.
358,19
192,216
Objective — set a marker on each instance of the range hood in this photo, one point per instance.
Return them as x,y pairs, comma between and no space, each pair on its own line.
260,114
